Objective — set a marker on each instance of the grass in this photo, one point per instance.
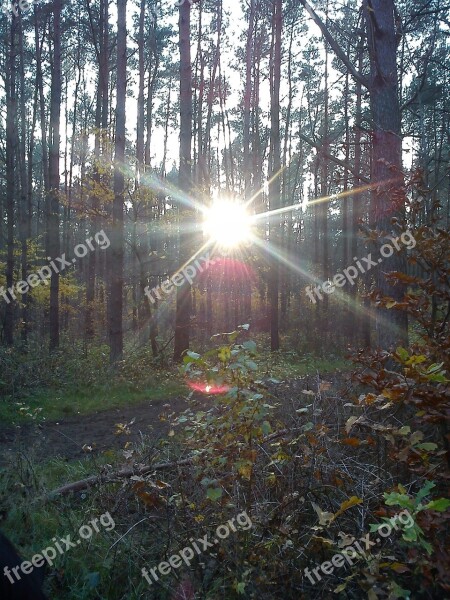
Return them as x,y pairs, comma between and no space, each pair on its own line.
32,524
53,404
289,365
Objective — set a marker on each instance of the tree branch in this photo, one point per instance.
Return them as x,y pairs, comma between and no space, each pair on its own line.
125,473
334,45
338,161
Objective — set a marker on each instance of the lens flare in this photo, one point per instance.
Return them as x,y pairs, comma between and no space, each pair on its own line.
227,223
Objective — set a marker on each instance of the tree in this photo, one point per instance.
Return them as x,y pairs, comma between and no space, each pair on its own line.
11,143
383,36
275,169
53,196
386,176
183,309
116,253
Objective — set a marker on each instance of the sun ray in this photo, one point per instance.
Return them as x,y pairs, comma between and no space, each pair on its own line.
292,207
261,190
339,295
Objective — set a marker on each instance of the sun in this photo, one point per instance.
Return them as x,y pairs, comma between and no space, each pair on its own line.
227,223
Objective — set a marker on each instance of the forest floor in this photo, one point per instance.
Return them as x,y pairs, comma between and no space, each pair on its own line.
70,436
66,437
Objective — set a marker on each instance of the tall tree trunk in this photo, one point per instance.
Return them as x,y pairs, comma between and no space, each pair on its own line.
183,309
101,120
324,194
53,197
389,195
275,172
116,254
11,142
248,100
24,212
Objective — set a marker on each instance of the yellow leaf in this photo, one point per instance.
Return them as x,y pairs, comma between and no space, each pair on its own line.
399,567
245,471
353,501
224,354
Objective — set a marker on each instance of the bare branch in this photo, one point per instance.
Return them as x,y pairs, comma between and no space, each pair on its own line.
337,161
334,45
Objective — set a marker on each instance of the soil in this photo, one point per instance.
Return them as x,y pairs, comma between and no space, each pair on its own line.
66,437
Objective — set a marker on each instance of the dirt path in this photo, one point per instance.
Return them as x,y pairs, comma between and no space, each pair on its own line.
65,438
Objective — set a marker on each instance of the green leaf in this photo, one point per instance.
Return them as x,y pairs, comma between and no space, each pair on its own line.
400,592
240,587
214,494
402,353
266,428
427,446
250,346
438,378
440,505
396,499
410,534
425,491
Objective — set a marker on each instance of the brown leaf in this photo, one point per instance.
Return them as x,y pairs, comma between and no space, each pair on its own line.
351,441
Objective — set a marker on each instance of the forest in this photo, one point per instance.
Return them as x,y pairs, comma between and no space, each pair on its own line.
224,299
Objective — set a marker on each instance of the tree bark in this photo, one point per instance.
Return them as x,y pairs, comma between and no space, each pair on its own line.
116,251
11,143
389,193
53,196
183,308
275,172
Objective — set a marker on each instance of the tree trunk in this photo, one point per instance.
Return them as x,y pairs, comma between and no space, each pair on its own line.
183,309
389,194
117,240
11,142
275,172
53,197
